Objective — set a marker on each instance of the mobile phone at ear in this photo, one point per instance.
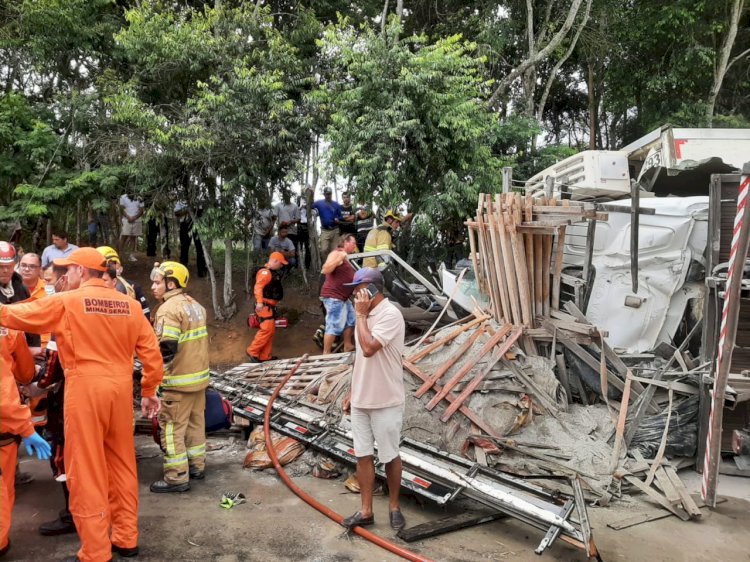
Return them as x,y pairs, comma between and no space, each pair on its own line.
372,290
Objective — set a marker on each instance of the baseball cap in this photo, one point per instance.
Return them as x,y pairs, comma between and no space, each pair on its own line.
327,190
366,275
278,256
85,257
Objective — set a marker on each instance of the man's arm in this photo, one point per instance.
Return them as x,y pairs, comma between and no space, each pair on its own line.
334,259
147,349
16,418
37,317
262,279
23,362
139,214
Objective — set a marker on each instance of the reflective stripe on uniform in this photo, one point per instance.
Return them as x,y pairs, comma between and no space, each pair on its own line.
171,461
197,451
194,334
169,438
187,379
170,333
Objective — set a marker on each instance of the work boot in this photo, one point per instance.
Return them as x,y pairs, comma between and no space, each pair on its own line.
5,549
125,552
63,525
197,475
162,487
254,359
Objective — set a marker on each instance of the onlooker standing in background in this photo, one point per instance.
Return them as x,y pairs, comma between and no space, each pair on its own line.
131,209
364,224
262,228
348,216
288,214
329,212
303,231
188,233
60,248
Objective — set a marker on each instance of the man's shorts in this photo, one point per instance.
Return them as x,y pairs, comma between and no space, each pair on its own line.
132,228
377,425
339,316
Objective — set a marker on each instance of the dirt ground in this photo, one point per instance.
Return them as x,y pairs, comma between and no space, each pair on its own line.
274,525
230,339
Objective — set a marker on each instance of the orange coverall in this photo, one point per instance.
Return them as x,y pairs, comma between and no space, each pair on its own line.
97,331
15,419
262,343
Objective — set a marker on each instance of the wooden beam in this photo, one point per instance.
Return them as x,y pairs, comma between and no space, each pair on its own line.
468,366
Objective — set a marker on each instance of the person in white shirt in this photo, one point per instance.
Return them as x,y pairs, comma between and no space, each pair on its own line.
131,209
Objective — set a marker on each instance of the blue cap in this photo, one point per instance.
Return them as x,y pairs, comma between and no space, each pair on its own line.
366,275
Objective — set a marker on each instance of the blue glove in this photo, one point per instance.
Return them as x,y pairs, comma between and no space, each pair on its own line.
34,442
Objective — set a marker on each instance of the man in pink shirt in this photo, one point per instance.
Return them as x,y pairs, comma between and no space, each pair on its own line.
377,395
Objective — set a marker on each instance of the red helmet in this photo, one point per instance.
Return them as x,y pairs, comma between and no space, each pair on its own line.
7,253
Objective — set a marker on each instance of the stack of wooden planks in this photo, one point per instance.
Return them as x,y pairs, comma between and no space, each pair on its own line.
517,247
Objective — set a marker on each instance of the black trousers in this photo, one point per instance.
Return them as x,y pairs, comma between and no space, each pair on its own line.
303,239
186,235
153,231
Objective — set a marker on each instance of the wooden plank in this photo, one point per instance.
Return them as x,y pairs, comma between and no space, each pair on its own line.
479,453
645,517
517,245
657,497
663,444
510,271
543,398
445,366
546,278
620,427
496,356
468,413
528,244
555,304
666,486
680,387
538,278
562,371
419,355
687,500
446,525
498,263
468,366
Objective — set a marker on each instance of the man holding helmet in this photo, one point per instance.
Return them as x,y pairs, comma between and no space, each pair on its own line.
180,325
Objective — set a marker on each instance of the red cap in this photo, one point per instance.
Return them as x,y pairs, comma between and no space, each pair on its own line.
85,257
278,256
7,253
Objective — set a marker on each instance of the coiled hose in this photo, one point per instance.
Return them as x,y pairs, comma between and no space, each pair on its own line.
304,496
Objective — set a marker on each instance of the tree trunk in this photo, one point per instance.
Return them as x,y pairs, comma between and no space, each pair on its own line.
311,223
384,18
229,308
593,125
723,63
207,249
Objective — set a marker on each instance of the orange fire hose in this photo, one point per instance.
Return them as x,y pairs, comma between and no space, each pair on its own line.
304,496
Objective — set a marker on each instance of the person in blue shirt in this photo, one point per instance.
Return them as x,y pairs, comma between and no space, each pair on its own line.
330,215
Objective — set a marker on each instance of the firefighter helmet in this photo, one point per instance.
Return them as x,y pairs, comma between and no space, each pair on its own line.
175,270
391,214
110,254
7,253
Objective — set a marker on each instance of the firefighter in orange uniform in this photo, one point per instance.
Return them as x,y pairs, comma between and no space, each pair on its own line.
268,292
97,331
15,423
